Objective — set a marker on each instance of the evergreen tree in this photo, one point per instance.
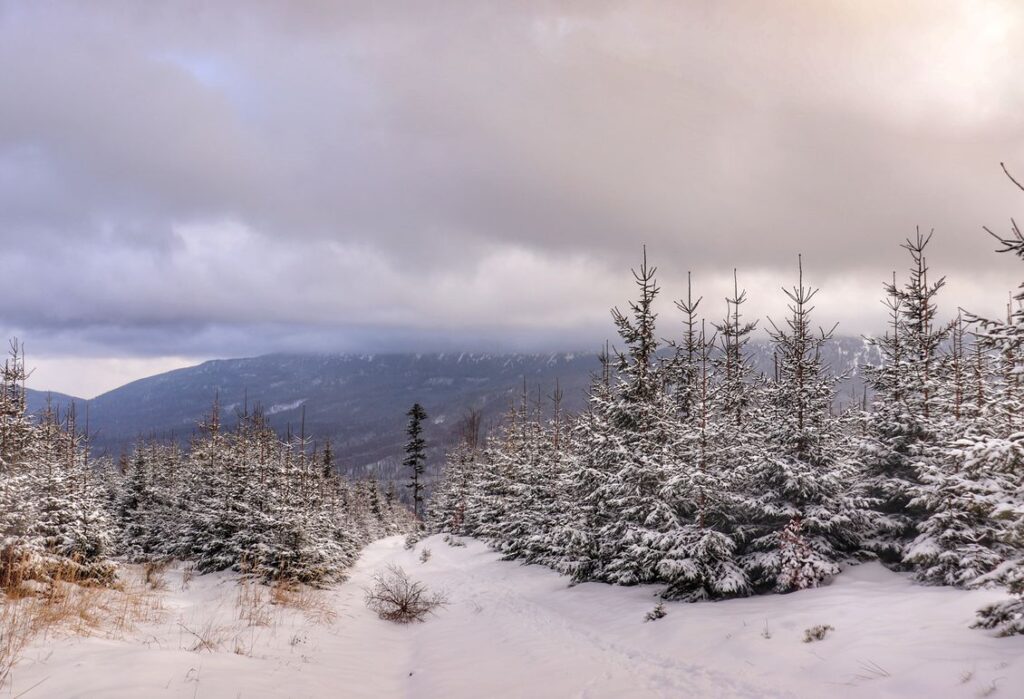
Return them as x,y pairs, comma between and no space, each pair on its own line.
799,521
1000,453
902,432
415,455
626,456
700,554
447,513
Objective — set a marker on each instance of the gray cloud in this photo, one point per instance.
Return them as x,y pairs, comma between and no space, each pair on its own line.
204,180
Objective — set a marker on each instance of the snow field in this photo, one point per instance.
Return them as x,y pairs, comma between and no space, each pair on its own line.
520,631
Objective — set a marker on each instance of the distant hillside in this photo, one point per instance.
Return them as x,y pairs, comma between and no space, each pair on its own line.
359,401
38,400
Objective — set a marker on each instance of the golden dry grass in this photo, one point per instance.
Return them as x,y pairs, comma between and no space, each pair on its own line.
31,610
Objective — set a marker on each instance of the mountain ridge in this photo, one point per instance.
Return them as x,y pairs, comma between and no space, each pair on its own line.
358,401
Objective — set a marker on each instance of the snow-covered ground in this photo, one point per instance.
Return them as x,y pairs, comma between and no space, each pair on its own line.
519,631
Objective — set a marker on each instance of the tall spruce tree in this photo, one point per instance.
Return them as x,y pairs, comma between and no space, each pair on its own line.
416,456
630,446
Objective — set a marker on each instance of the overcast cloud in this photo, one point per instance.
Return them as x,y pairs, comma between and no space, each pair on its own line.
225,179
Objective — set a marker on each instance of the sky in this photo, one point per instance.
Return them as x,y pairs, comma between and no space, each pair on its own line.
183,181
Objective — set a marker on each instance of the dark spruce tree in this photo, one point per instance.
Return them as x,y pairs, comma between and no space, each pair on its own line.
416,455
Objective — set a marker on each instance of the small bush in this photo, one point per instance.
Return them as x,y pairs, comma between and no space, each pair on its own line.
411,539
657,613
817,633
396,597
425,555
453,540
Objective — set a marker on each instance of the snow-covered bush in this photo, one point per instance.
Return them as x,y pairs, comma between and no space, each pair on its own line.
817,632
657,613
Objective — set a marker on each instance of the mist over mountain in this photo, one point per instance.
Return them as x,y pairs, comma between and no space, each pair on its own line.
358,402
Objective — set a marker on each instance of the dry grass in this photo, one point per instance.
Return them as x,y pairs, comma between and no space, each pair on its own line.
209,636
188,572
310,601
252,604
257,603
153,574
15,634
65,605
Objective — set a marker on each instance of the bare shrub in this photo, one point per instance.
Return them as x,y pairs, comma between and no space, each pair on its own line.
424,555
396,597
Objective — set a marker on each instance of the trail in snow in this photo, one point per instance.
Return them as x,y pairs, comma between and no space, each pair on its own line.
520,631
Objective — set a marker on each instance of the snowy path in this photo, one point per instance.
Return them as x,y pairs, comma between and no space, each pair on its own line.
519,631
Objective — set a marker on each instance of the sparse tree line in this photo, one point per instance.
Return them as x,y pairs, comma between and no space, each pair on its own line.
242,499
689,471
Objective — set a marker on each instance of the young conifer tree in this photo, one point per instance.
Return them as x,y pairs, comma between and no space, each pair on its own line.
447,509
800,522
699,561
902,433
631,446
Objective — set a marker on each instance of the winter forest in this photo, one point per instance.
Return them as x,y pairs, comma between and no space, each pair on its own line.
690,472
686,470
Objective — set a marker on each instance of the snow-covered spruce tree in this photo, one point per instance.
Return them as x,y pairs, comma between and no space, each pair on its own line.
625,455
491,484
959,541
572,546
18,448
143,510
1000,452
447,507
528,454
548,488
699,561
711,449
734,395
902,432
800,521
53,520
416,456
71,523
